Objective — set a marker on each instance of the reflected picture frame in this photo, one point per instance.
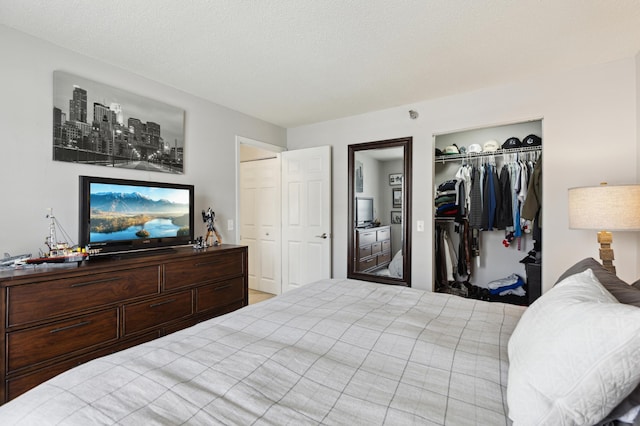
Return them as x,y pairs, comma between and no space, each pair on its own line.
395,179
396,197
396,217
359,177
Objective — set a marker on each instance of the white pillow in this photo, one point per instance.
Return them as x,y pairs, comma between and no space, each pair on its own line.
574,355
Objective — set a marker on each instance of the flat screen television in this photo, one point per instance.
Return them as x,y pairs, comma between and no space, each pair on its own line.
364,211
123,216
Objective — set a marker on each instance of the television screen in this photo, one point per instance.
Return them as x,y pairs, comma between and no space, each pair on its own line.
124,215
364,211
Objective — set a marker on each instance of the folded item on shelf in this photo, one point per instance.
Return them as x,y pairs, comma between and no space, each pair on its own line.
445,199
449,209
448,185
518,291
503,284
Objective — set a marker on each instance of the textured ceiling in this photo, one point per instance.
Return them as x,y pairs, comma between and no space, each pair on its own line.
294,62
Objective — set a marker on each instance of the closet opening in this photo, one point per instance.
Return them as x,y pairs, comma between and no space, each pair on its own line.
487,201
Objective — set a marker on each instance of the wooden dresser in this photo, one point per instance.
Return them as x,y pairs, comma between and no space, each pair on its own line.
56,317
373,248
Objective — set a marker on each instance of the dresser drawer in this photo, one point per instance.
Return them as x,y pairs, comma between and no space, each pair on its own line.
364,251
384,258
367,237
202,270
219,294
383,234
47,299
155,312
39,344
386,245
376,248
367,263
18,384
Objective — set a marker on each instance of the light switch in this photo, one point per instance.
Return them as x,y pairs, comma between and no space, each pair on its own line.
229,224
420,225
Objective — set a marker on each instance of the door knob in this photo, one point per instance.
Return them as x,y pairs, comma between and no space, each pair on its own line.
324,236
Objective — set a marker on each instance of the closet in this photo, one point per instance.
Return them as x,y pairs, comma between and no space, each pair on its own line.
487,200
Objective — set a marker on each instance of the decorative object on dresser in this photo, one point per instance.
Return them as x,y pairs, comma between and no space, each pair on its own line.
605,208
53,319
373,248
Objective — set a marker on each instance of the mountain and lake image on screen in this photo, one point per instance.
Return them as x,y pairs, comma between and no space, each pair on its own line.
122,212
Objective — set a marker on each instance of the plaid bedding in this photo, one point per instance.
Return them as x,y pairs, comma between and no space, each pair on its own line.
332,352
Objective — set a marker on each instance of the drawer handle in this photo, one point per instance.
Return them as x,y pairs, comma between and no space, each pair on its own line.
68,327
222,287
205,263
155,305
105,280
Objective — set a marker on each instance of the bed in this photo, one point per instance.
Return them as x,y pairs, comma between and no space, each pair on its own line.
337,351
394,269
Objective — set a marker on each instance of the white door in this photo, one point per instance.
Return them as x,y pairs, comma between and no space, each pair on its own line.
260,222
306,216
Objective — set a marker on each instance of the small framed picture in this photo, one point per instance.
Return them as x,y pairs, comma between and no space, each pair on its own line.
396,217
397,197
359,177
395,179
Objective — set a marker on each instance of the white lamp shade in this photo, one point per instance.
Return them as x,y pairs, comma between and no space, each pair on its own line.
605,207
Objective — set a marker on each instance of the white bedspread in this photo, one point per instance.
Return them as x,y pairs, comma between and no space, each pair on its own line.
332,352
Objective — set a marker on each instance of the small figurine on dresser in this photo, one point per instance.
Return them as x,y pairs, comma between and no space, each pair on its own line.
209,217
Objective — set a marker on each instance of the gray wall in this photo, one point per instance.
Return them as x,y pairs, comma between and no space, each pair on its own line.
589,136
31,182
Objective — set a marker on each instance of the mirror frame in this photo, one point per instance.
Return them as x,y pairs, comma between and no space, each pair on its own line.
406,145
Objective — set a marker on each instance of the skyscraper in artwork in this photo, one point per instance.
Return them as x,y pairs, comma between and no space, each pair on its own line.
78,105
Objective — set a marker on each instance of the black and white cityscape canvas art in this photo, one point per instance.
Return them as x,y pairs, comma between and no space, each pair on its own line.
94,123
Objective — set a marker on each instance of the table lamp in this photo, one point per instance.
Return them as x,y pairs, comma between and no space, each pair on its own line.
605,208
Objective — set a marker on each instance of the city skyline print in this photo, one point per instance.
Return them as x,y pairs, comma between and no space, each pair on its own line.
94,123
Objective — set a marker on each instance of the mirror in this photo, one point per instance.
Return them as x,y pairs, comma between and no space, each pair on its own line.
380,211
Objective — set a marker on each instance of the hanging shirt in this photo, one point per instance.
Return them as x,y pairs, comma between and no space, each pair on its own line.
504,212
449,256
533,203
490,198
475,203
464,174
515,184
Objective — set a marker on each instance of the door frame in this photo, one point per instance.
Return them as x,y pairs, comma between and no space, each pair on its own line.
261,147
241,140
277,150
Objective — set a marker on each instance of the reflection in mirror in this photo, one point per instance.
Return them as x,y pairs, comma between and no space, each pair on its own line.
380,211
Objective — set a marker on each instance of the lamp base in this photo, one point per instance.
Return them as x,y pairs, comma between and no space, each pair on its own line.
606,252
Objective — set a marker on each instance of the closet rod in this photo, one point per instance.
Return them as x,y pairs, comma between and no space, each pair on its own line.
456,157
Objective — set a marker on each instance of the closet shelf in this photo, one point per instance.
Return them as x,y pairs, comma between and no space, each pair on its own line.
456,157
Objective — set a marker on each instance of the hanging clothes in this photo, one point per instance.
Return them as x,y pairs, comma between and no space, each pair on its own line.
485,195
491,198
475,202
464,175
440,261
533,202
504,213
516,169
